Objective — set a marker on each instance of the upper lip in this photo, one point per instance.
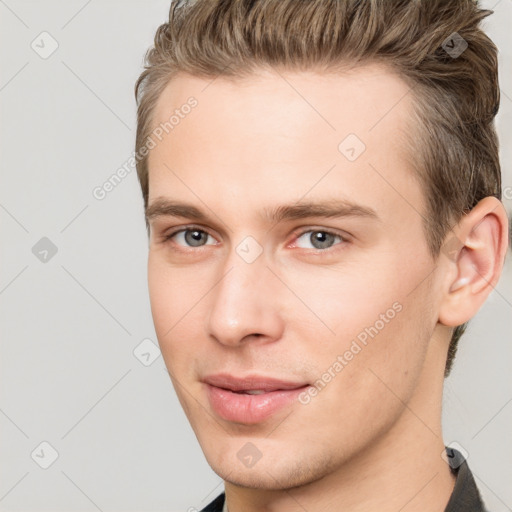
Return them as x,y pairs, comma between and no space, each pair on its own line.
250,382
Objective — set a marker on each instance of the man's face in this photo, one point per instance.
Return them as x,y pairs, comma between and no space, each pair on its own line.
325,320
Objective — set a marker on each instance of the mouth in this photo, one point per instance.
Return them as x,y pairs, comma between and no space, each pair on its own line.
251,399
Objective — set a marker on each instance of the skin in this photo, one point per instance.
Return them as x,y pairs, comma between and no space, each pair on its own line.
371,438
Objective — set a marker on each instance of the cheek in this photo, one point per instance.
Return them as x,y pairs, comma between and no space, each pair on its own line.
173,291
365,375
375,317
344,302
171,298
160,294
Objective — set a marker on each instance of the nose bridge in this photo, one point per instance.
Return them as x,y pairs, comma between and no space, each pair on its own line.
244,302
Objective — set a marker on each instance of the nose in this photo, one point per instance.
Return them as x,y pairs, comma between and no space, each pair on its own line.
246,304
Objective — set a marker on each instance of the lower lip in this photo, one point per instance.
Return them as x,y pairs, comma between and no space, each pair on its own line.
250,409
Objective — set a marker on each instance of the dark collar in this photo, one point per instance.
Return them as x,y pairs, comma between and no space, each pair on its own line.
465,496
216,505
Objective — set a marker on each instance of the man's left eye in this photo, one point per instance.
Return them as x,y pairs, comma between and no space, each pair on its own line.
319,239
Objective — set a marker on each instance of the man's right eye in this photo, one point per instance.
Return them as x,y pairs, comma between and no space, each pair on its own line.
190,237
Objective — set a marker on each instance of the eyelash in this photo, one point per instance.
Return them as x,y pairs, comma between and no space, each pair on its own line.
344,240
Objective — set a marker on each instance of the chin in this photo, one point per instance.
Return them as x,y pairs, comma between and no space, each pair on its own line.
275,472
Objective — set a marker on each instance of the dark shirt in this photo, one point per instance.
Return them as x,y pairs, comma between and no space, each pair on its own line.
465,496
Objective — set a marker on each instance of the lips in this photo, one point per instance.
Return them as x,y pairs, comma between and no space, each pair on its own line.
250,399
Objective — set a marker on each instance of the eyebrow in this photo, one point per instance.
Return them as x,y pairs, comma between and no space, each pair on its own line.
329,208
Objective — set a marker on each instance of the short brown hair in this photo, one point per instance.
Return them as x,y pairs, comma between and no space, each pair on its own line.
456,96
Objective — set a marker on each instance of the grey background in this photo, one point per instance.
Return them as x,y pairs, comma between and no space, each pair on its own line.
69,325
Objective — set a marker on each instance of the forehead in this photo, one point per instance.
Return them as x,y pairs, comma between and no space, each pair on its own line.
276,132
356,98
